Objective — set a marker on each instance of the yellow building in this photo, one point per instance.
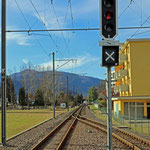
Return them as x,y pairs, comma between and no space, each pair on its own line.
133,79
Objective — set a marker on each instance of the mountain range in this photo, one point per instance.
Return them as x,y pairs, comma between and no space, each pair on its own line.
76,83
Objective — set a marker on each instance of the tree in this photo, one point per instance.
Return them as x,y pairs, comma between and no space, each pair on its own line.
46,86
28,80
22,100
92,94
39,98
10,91
79,99
61,98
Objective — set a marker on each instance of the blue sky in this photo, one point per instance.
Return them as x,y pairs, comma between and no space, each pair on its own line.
81,45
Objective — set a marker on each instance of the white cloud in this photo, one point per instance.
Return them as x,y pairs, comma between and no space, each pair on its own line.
24,60
82,60
20,39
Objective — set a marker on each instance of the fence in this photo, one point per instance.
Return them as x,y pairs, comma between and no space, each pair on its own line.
137,124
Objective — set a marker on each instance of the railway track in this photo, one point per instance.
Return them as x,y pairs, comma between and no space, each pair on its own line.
131,140
72,134
57,137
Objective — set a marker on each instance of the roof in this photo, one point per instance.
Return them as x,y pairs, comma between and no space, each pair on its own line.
140,39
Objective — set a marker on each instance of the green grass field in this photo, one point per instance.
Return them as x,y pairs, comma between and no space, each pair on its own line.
20,120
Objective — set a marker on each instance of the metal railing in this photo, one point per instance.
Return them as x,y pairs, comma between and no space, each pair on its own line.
136,124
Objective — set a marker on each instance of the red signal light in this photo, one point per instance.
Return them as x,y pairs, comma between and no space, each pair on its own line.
108,15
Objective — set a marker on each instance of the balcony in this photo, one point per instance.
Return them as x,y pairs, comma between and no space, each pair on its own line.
118,68
119,82
116,89
126,65
122,73
120,62
124,88
123,57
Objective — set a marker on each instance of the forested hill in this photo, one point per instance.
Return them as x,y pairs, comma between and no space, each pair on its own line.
77,83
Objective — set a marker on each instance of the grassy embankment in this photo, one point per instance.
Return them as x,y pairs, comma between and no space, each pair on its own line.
20,120
141,128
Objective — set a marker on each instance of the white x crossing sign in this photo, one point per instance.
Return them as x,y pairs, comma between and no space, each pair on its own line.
110,55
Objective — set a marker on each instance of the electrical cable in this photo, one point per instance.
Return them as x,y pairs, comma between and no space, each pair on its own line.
72,20
22,14
30,27
124,10
71,14
142,32
139,28
46,28
58,22
66,43
66,15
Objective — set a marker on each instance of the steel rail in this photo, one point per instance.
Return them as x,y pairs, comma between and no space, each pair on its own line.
66,135
60,146
37,146
49,135
64,139
144,141
127,143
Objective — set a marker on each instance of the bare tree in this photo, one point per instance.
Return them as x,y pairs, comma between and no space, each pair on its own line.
46,85
28,81
12,92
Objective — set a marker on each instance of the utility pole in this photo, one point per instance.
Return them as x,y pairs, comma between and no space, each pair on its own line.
3,71
109,109
67,94
76,92
53,85
73,90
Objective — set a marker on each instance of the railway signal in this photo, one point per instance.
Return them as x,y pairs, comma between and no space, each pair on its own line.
108,19
110,52
110,55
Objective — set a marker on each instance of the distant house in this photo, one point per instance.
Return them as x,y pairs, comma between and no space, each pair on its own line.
96,103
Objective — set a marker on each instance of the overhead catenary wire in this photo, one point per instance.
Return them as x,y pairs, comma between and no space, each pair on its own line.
66,15
57,19
22,14
142,33
72,21
46,27
19,8
58,22
139,27
124,10
71,13
41,45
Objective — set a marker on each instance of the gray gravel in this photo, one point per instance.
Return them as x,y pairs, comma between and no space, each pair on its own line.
85,137
28,139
